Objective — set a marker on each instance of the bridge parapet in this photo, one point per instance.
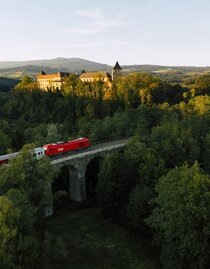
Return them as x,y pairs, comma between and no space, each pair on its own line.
77,163
63,161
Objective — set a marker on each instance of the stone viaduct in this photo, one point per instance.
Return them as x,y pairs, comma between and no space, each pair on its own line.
80,165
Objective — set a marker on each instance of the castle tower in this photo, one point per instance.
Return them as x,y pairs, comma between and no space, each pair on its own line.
116,71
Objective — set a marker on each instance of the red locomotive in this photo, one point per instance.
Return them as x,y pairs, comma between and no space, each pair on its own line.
52,149
65,146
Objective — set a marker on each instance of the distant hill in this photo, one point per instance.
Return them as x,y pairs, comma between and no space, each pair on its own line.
8,82
6,85
18,69
69,64
28,70
161,68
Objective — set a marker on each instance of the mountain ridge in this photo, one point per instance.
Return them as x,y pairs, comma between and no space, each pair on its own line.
18,69
59,62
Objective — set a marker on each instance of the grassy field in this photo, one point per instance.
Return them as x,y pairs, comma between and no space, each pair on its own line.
96,242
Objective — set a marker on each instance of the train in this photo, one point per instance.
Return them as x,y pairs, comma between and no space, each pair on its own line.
52,149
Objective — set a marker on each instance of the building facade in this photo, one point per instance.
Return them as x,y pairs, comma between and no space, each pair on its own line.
51,81
55,81
104,76
116,71
96,76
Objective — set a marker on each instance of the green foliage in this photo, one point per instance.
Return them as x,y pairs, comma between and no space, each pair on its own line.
181,219
25,188
52,134
5,143
95,241
200,104
28,251
36,135
26,83
8,82
171,125
201,86
145,166
79,100
27,211
18,246
144,163
9,215
143,88
113,186
33,176
70,83
55,252
206,153
139,207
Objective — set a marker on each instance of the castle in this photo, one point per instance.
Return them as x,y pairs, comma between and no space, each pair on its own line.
54,81
46,82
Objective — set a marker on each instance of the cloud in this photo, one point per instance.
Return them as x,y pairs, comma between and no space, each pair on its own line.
37,45
101,21
93,21
79,30
91,14
152,35
83,45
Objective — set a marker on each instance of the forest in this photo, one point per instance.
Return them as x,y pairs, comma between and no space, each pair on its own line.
162,193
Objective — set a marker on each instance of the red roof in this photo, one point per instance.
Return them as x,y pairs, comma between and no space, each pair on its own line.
59,74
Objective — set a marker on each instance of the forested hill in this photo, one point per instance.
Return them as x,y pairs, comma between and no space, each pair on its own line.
18,69
6,85
8,82
162,196
162,68
67,64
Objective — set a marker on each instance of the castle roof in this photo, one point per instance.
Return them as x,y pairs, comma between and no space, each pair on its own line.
59,74
95,75
117,66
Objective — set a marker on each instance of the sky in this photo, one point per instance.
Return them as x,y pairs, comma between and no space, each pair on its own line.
163,32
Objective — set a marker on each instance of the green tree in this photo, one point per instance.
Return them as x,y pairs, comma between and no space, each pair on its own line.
139,207
181,219
206,153
25,188
9,216
26,83
199,104
70,83
31,175
144,166
143,163
52,134
55,252
5,143
113,186
201,86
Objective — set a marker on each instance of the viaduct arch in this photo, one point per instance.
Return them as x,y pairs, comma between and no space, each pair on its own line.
81,168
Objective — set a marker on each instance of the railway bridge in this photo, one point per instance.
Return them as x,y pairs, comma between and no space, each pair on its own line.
79,169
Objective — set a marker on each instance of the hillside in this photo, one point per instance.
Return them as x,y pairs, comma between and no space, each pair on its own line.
17,69
94,240
52,65
60,62
6,85
8,82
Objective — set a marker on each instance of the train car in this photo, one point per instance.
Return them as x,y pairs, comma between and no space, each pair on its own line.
65,146
4,159
39,153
